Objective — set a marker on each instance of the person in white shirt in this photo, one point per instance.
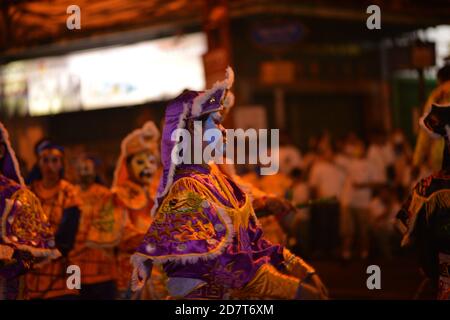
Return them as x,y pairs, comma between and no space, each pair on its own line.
355,203
289,159
300,222
326,180
380,155
401,166
383,209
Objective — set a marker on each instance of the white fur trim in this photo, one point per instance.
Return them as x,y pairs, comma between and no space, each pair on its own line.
205,96
181,125
138,271
10,150
229,100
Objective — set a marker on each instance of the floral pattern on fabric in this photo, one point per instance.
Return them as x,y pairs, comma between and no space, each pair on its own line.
24,225
187,224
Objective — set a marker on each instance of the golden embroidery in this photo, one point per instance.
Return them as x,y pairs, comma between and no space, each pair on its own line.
32,221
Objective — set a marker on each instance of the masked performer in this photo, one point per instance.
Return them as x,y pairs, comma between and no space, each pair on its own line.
433,148
204,232
132,186
25,235
98,235
425,217
61,204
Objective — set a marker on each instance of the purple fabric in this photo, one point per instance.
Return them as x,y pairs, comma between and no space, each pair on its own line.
7,189
173,121
20,266
8,168
174,112
7,164
237,264
243,256
9,271
10,183
39,241
213,102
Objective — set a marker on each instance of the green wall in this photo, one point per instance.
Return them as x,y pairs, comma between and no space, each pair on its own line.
405,97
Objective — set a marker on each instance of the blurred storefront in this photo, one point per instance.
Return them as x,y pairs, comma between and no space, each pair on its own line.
308,66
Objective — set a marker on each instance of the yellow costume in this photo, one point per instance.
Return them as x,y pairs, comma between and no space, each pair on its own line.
49,280
135,199
97,236
434,148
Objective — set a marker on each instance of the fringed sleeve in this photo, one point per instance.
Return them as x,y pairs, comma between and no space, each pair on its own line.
425,200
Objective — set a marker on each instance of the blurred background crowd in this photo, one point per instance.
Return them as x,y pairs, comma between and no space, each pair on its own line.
360,184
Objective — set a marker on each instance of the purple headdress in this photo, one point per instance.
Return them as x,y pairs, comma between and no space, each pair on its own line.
9,166
189,105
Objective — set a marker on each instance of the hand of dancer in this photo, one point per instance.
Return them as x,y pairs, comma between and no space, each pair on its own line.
140,275
307,292
317,282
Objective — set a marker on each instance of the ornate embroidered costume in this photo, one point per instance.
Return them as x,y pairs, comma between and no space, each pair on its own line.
205,233
425,217
269,208
132,189
98,235
61,204
25,234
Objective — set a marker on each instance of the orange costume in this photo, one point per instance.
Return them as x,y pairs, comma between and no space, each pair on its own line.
49,280
265,201
137,205
134,196
97,235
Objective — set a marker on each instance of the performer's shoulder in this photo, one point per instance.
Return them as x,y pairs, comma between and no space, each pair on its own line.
185,196
7,184
29,206
101,190
183,183
190,186
29,225
67,186
130,195
443,89
71,194
26,197
20,193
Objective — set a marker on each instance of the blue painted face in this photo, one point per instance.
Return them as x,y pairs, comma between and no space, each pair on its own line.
214,121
